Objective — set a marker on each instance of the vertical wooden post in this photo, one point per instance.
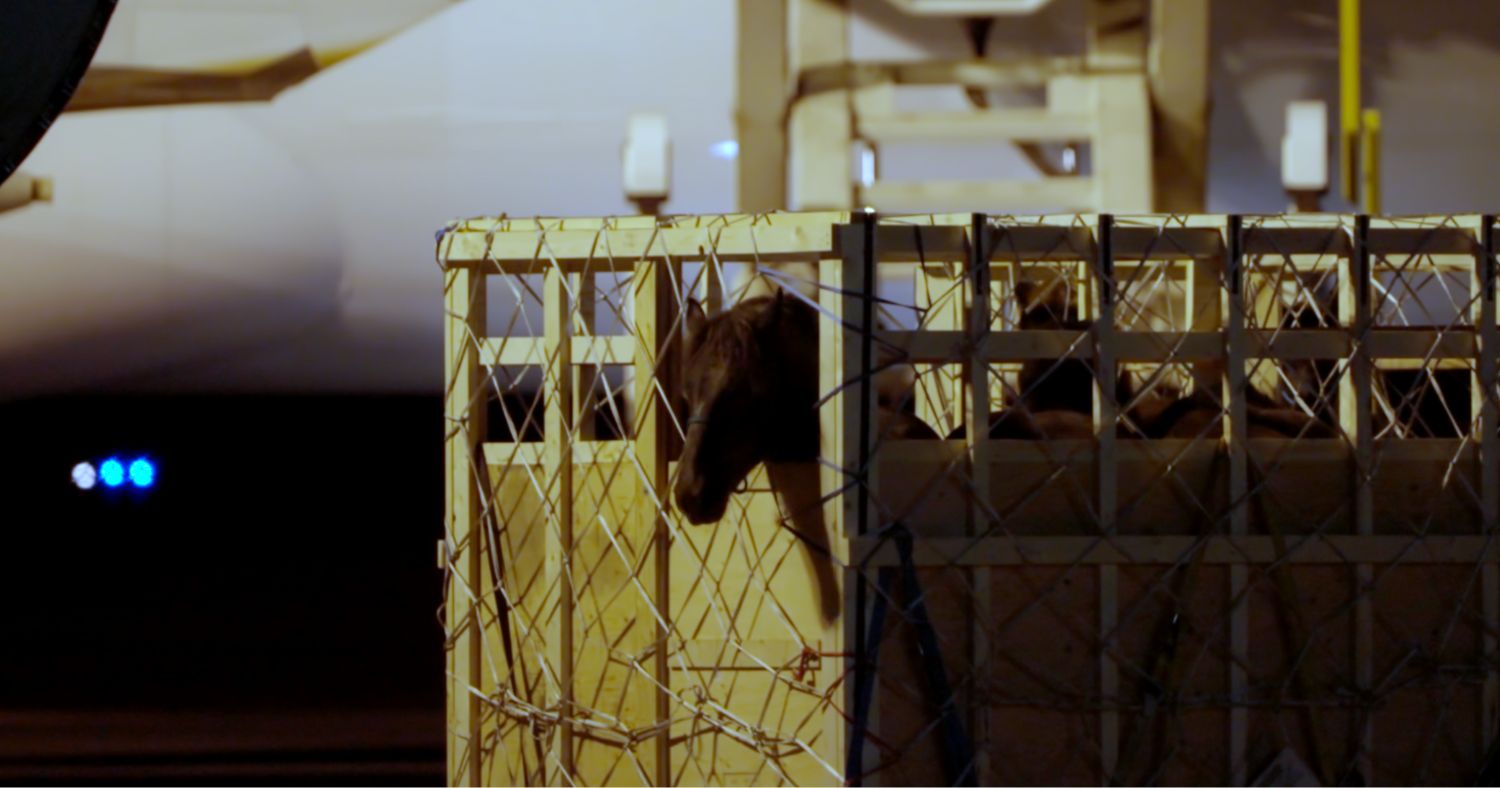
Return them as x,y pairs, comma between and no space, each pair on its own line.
853,419
1354,416
759,98
654,317
940,394
820,127
1235,382
1208,294
558,467
859,391
463,404
977,436
585,405
1105,467
1489,464
834,367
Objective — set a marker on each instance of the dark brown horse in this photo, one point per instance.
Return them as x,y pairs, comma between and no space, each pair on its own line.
750,386
1056,395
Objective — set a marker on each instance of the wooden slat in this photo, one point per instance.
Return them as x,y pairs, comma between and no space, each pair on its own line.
653,302
1234,390
1271,240
521,351
557,464
1380,343
1392,241
1486,384
1436,344
780,234
704,221
1106,476
979,446
1167,243
914,242
1355,406
1010,124
1341,549
939,241
497,455
811,235
931,346
1013,452
855,284
940,389
832,422
529,251
585,375
464,294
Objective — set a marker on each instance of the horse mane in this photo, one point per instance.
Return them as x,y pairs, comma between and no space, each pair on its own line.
735,335
731,334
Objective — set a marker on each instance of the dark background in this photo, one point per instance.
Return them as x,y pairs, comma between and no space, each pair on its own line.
267,612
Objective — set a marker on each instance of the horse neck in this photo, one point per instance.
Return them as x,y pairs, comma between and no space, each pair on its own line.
790,358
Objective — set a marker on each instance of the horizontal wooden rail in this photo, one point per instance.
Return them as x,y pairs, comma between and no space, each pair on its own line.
926,347
516,351
520,246
1414,345
871,551
937,453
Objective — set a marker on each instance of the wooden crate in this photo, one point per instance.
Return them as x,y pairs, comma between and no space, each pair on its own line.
1335,594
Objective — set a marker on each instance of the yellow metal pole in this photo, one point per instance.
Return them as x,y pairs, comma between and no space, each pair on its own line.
1349,99
1369,162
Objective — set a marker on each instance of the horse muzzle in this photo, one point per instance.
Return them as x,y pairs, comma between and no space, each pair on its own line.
699,504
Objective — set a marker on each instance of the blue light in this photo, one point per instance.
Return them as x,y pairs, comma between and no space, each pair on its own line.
726,149
112,472
142,473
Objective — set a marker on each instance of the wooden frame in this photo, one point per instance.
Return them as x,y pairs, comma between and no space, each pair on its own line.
628,720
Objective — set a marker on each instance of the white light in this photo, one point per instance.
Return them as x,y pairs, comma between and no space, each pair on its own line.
866,166
725,149
1069,159
1304,147
84,476
647,157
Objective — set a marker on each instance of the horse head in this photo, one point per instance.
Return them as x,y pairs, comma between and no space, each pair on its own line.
750,390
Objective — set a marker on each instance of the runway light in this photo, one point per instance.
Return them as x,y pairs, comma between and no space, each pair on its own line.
142,473
112,472
84,476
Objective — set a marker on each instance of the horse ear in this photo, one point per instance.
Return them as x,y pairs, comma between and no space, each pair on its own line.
772,315
693,320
